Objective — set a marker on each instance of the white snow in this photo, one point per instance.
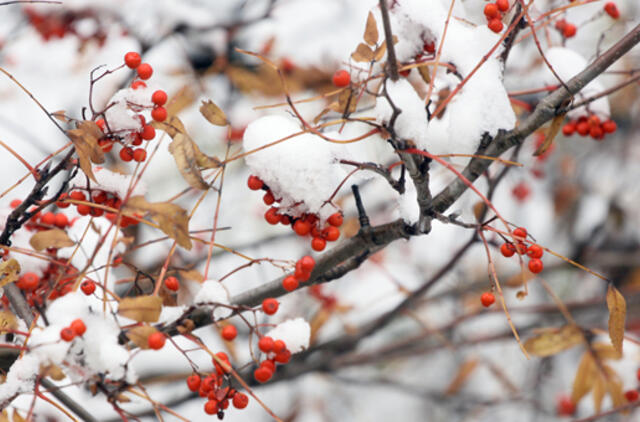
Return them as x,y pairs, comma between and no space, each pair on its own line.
294,332
212,294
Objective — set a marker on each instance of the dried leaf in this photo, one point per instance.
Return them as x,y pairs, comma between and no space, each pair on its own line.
371,30
554,128
425,74
617,314
317,322
139,335
54,238
466,369
60,115
585,377
4,416
379,53
191,275
363,53
17,417
141,308
479,209
346,102
213,113
183,99
606,351
519,279
85,140
121,398
9,271
172,219
52,371
7,321
598,393
553,340
615,391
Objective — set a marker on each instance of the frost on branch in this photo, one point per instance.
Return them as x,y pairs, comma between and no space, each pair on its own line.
302,172
294,332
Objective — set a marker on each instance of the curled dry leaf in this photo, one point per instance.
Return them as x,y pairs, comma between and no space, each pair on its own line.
141,308
172,219
585,377
54,238
139,335
617,314
213,113
7,321
346,104
554,128
9,271
553,340
85,139
363,53
371,30
52,371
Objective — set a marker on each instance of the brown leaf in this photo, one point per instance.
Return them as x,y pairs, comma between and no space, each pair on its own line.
425,74
479,210
10,270
379,53
172,219
121,398
52,371
599,388
520,278
139,335
363,53
553,340
60,115
617,314
317,322
54,238
213,113
7,321
371,30
615,391
346,102
554,128
85,139
183,99
17,417
585,377
466,369
141,308
606,351
191,275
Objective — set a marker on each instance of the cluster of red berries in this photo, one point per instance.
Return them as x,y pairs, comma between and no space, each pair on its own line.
99,197
341,78
276,352
612,10
590,126
44,221
534,252
567,29
58,25
217,389
302,273
76,328
305,225
493,12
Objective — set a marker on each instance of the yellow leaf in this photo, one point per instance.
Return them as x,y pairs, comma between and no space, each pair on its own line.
7,321
425,74
553,340
54,238
85,139
606,351
466,369
379,53
615,391
213,113
371,30
554,128
617,314
141,308
585,378
172,219
17,417
139,335
10,270
363,53
598,393
52,371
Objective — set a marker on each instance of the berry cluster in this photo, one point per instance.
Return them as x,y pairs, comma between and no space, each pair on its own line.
567,29
304,266
99,197
590,126
46,221
276,352
216,387
57,25
304,225
534,252
493,12
76,328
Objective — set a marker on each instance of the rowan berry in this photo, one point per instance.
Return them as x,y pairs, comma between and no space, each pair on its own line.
262,374
341,78
609,126
148,132
16,202
159,97
240,400
67,334
336,219
503,5
631,395
283,357
487,299
144,71
265,344
491,11
211,407
429,47
77,195
88,287
566,406
520,232
78,327
495,25
126,154
279,346
507,250
318,244
193,382
268,198
159,114
132,59
269,364
229,332
534,251
272,216
568,129
596,132
302,227
535,265
254,183
612,10
569,30
270,306
138,84
172,283
28,281
48,218
290,283
139,155
156,340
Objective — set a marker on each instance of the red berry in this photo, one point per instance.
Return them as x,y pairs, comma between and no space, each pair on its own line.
568,129
302,227
77,195
596,132
67,334
240,400
132,59
159,97
159,114
172,283
609,126
126,154
521,191
279,346
405,73
341,78
16,203
495,25
193,382
318,244
566,407
582,128
520,232
254,183
144,71
138,84
269,364
631,395
560,24
331,233
536,265
270,306
569,30
290,283
88,287
336,219
429,47
503,5
265,344
139,155
307,263
487,299
268,198
28,281
491,11
229,332
535,251
78,327
156,340
283,357
211,407
272,216
48,218
262,374
638,374
612,10
61,220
